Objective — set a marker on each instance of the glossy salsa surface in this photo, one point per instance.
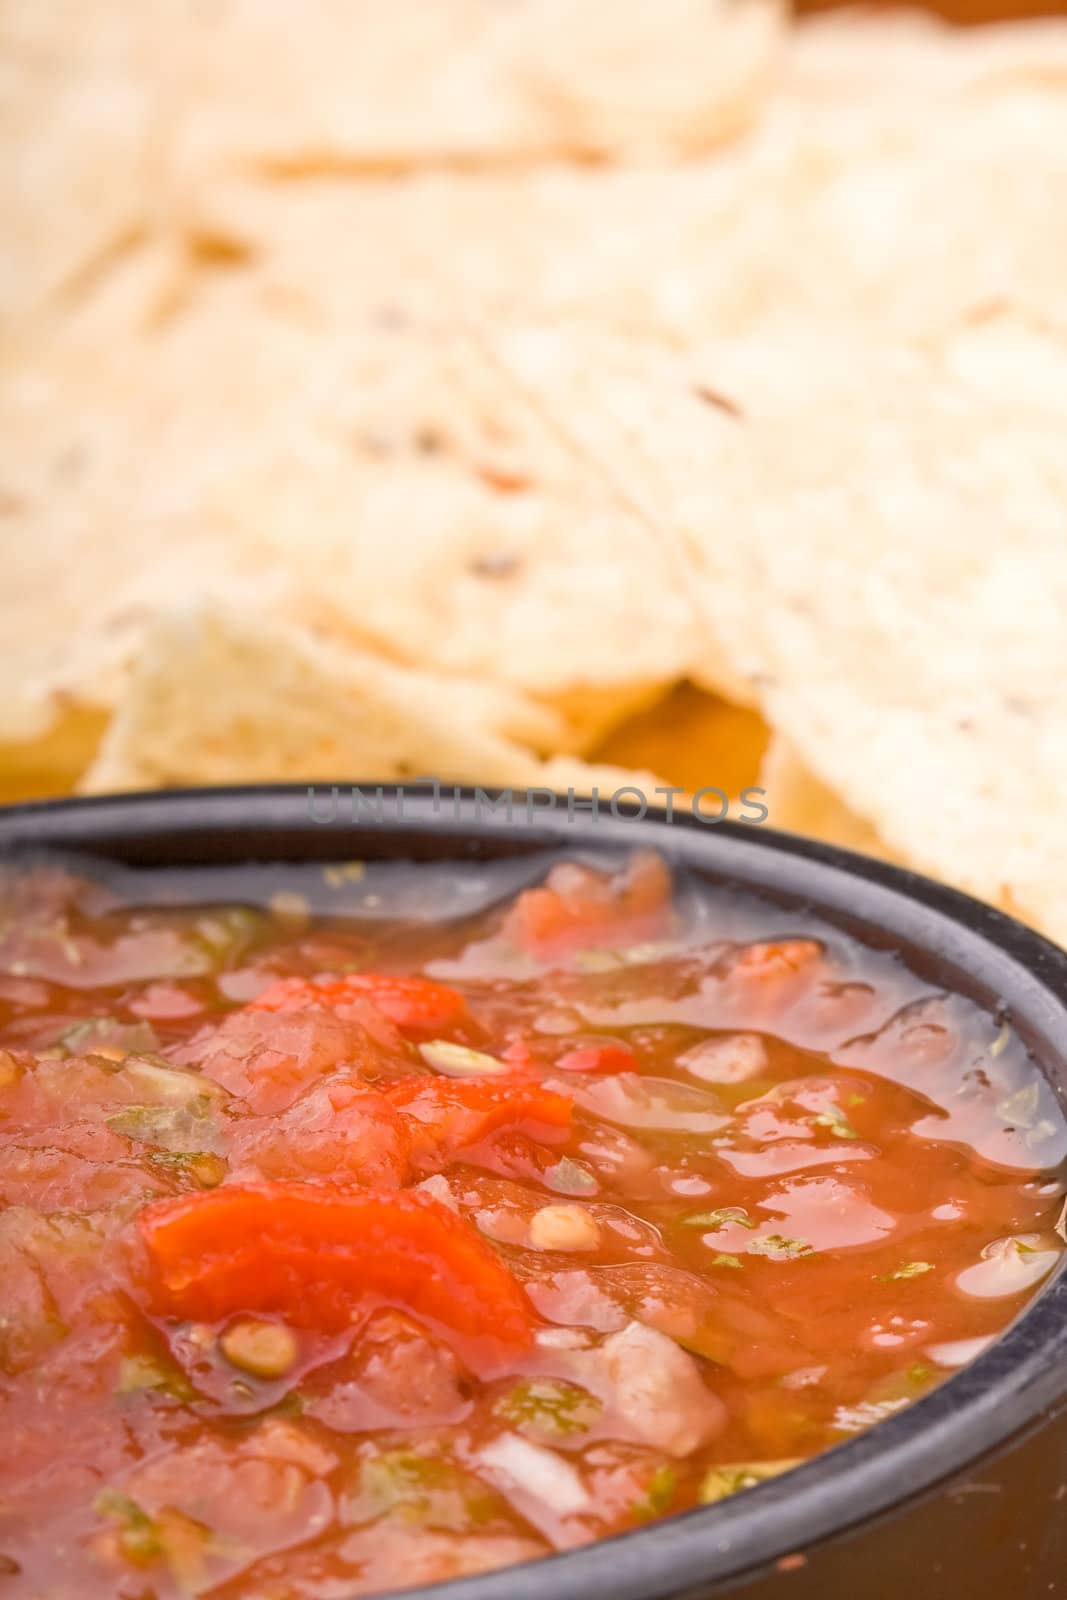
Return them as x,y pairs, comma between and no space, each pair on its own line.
365,1226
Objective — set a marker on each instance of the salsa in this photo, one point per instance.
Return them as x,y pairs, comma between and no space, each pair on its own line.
365,1226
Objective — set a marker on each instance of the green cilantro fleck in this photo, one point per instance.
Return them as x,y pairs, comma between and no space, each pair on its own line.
910,1269
834,1119
548,1408
417,1488
140,1372
206,1170
138,1534
720,1219
779,1248
662,1488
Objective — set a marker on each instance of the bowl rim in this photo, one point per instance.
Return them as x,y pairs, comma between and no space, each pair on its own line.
1005,1393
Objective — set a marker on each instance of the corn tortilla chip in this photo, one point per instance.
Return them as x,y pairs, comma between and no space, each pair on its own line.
51,765
883,216
218,696
879,540
113,115
798,803
81,113
856,53
694,739
387,488
355,87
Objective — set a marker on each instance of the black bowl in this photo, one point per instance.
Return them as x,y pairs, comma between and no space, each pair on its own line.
964,1492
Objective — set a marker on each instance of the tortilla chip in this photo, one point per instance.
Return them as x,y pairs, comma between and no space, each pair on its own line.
856,53
113,115
218,696
694,739
358,88
51,766
261,393
487,546
79,112
884,214
878,539
385,487
798,803
104,477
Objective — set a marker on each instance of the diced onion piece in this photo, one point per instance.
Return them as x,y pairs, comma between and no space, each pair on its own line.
659,1392
557,1022
958,1352
170,1085
804,1378
737,1058
517,1463
635,1101
459,1061
569,1177
562,1338
438,1186
1008,1266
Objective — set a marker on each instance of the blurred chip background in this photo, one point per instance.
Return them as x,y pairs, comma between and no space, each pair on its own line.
544,393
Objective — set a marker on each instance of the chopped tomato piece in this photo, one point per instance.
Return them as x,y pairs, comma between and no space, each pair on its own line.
579,907
772,961
269,1059
414,1004
340,1131
446,1115
772,973
318,1255
602,1058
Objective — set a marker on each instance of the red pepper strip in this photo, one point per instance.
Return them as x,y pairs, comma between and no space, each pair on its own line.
602,1058
578,907
417,1004
317,1253
452,1114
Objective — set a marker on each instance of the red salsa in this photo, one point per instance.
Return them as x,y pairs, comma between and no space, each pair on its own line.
363,1227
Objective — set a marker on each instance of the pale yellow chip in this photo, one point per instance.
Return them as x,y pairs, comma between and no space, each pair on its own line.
385,487
51,766
877,215
80,109
114,115
355,86
855,54
877,540
217,696
259,429
438,513
694,739
798,803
